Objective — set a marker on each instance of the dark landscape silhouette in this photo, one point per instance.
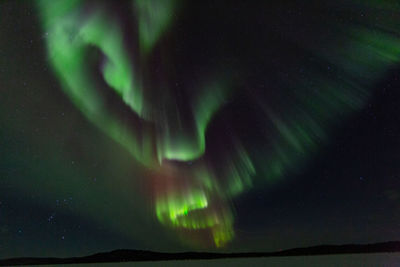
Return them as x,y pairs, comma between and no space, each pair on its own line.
125,255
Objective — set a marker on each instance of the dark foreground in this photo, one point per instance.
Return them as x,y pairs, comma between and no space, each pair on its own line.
137,255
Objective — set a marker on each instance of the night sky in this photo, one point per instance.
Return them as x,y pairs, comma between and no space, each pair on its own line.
209,126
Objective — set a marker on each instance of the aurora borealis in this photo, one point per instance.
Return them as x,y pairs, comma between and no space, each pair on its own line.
70,31
163,123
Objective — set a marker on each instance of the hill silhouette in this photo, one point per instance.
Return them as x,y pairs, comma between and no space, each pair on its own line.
125,255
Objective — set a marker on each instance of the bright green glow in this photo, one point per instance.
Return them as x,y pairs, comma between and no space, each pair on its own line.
204,205
296,129
72,32
117,69
184,147
206,107
176,206
69,35
179,211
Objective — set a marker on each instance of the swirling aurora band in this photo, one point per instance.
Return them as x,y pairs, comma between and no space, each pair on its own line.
197,197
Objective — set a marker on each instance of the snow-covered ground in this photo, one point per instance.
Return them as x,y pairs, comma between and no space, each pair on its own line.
353,260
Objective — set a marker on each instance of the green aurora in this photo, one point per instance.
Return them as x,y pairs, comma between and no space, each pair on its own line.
198,196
